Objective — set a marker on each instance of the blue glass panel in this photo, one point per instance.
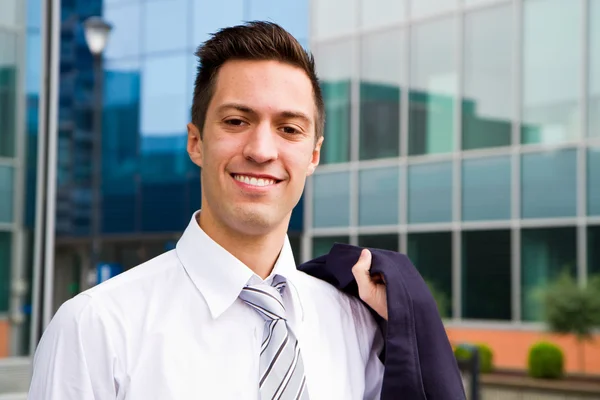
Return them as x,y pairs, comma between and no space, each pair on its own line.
34,14
594,69
593,183
549,184
378,196
125,37
430,193
165,25
331,196
34,63
209,16
6,193
5,267
486,189
164,206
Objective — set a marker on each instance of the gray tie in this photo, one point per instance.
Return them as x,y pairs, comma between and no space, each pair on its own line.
281,368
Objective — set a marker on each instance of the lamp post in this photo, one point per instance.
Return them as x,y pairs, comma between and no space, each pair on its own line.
96,32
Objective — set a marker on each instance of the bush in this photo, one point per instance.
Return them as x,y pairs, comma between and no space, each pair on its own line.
546,361
486,356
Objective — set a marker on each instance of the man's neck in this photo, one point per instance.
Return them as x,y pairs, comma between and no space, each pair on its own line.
259,253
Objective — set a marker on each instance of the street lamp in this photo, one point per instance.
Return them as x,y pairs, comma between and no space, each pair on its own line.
96,32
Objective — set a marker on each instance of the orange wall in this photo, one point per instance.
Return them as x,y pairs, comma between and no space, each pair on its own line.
511,347
3,338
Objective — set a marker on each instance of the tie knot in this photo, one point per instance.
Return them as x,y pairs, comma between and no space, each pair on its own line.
265,299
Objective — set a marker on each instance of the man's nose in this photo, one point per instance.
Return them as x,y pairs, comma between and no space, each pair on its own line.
261,146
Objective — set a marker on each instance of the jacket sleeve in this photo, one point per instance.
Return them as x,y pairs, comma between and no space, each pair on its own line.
74,359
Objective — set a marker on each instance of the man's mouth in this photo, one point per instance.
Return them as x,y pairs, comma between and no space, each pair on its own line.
254,181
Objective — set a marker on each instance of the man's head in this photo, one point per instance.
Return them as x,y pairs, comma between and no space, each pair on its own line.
257,127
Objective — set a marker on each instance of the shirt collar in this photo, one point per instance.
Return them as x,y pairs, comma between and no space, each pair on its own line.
217,274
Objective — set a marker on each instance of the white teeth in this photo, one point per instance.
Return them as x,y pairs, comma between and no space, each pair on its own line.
254,181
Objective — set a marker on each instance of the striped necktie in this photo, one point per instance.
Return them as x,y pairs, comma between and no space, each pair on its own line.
281,368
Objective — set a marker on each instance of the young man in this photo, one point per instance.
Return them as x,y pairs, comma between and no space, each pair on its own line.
226,315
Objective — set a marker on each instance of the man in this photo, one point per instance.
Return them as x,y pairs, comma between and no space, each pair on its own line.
226,315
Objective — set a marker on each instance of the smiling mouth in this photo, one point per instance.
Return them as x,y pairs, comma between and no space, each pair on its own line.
253,181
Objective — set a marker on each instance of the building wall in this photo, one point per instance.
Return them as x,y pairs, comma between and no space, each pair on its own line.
467,135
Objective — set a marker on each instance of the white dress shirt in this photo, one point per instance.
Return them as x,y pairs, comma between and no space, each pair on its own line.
174,328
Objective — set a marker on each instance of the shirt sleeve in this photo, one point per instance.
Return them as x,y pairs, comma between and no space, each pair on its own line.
74,359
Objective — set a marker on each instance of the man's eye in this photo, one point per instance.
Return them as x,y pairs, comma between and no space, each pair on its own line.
234,121
290,130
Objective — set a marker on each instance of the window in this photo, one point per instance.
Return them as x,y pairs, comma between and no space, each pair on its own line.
165,26
487,106
593,235
549,184
209,16
10,12
292,15
430,193
125,36
334,65
486,275
5,263
545,254
333,17
385,242
551,71
322,245
378,196
431,254
8,93
432,87
380,83
593,181
6,193
375,13
421,8
486,189
331,196
594,68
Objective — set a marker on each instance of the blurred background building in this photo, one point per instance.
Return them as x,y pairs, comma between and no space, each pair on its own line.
465,133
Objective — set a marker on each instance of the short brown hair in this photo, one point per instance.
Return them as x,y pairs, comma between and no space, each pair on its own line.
256,40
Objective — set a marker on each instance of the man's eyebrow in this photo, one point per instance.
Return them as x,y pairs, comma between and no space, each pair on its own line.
284,114
296,114
236,106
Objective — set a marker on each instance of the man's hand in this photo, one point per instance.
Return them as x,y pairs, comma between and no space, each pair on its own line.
370,288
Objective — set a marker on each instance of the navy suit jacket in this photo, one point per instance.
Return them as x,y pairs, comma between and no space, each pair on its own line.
418,358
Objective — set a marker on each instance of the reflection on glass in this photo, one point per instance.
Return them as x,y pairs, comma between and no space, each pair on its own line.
593,181
486,275
549,184
385,242
209,16
432,87
10,12
594,68
430,193
380,83
5,267
545,254
593,235
8,92
421,8
34,63
165,25
292,15
378,196
334,67
374,13
431,254
322,245
331,200
551,71
486,189
487,106
6,193
333,17
125,38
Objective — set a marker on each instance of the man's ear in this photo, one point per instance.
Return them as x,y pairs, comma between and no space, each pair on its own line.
316,157
194,144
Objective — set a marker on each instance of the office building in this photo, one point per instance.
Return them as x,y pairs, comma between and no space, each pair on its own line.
467,135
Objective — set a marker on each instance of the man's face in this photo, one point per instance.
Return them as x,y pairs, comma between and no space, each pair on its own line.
258,145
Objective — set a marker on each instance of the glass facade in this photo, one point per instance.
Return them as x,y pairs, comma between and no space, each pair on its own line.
466,131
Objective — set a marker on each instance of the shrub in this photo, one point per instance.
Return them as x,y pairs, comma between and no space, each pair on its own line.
486,356
546,361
